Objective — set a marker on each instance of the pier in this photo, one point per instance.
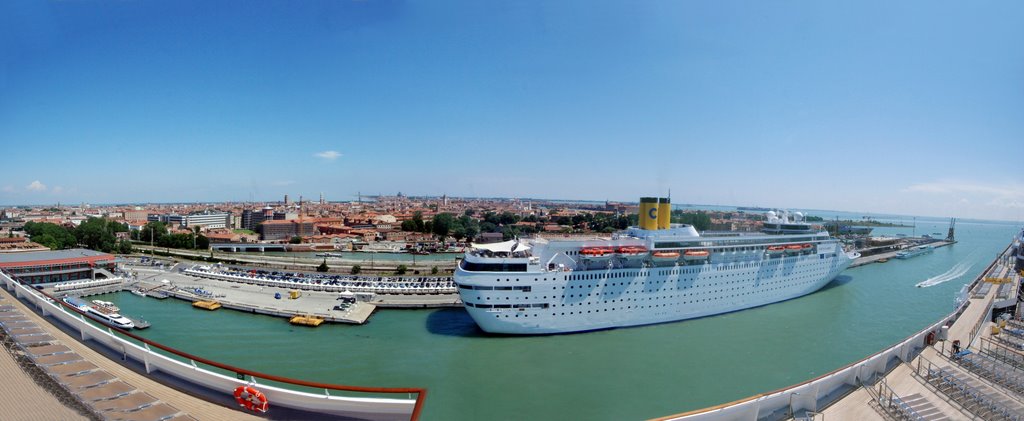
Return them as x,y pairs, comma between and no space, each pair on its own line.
874,258
260,300
923,377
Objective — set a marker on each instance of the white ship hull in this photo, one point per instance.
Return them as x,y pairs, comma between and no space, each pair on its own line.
543,287
632,297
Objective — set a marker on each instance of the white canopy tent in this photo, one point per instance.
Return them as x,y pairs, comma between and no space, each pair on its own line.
502,247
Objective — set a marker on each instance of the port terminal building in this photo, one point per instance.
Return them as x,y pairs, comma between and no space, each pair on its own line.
47,267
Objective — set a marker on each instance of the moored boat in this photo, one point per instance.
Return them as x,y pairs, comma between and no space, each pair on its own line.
101,312
329,254
913,252
106,305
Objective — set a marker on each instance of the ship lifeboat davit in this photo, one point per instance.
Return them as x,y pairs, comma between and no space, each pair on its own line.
696,255
794,248
665,256
776,250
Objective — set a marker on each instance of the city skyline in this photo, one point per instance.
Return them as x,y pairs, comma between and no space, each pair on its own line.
908,109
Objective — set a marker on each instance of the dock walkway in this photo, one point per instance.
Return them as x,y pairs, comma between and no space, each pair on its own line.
260,300
874,258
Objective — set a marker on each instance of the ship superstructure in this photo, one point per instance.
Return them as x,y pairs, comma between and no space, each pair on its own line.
654,273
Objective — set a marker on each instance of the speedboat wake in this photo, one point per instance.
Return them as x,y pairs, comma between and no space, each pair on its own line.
956,271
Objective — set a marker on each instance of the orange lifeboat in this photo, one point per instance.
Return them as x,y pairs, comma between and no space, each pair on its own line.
808,248
794,248
775,250
665,256
597,252
631,250
696,255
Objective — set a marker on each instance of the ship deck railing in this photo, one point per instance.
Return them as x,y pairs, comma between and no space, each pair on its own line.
968,392
221,377
902,408
991,369
1002,353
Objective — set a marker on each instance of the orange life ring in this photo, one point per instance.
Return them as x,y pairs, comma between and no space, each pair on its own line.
251,399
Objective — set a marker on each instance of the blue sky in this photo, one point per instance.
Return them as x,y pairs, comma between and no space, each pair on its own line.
910,108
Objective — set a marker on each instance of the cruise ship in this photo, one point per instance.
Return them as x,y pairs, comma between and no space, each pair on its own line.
655,273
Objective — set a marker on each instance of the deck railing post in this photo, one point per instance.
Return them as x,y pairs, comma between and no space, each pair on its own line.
81,328
145,358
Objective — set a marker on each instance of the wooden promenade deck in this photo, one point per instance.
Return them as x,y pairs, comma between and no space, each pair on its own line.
18,409
23,399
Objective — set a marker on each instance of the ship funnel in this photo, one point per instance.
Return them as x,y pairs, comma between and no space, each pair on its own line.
664,213
649,213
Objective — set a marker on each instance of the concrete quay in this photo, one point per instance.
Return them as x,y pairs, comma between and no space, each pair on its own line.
874,258
260,300
416,300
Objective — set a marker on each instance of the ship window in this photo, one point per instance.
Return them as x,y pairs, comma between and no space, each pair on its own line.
493,267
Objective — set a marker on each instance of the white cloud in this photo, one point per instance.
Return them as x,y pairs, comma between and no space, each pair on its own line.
970,199
960,187
328,155
57,190
8,189
36,186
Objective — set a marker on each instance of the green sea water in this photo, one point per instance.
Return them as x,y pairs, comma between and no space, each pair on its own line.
632,373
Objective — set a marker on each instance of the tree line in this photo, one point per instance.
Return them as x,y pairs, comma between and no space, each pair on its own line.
94,233
509,224
157,233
